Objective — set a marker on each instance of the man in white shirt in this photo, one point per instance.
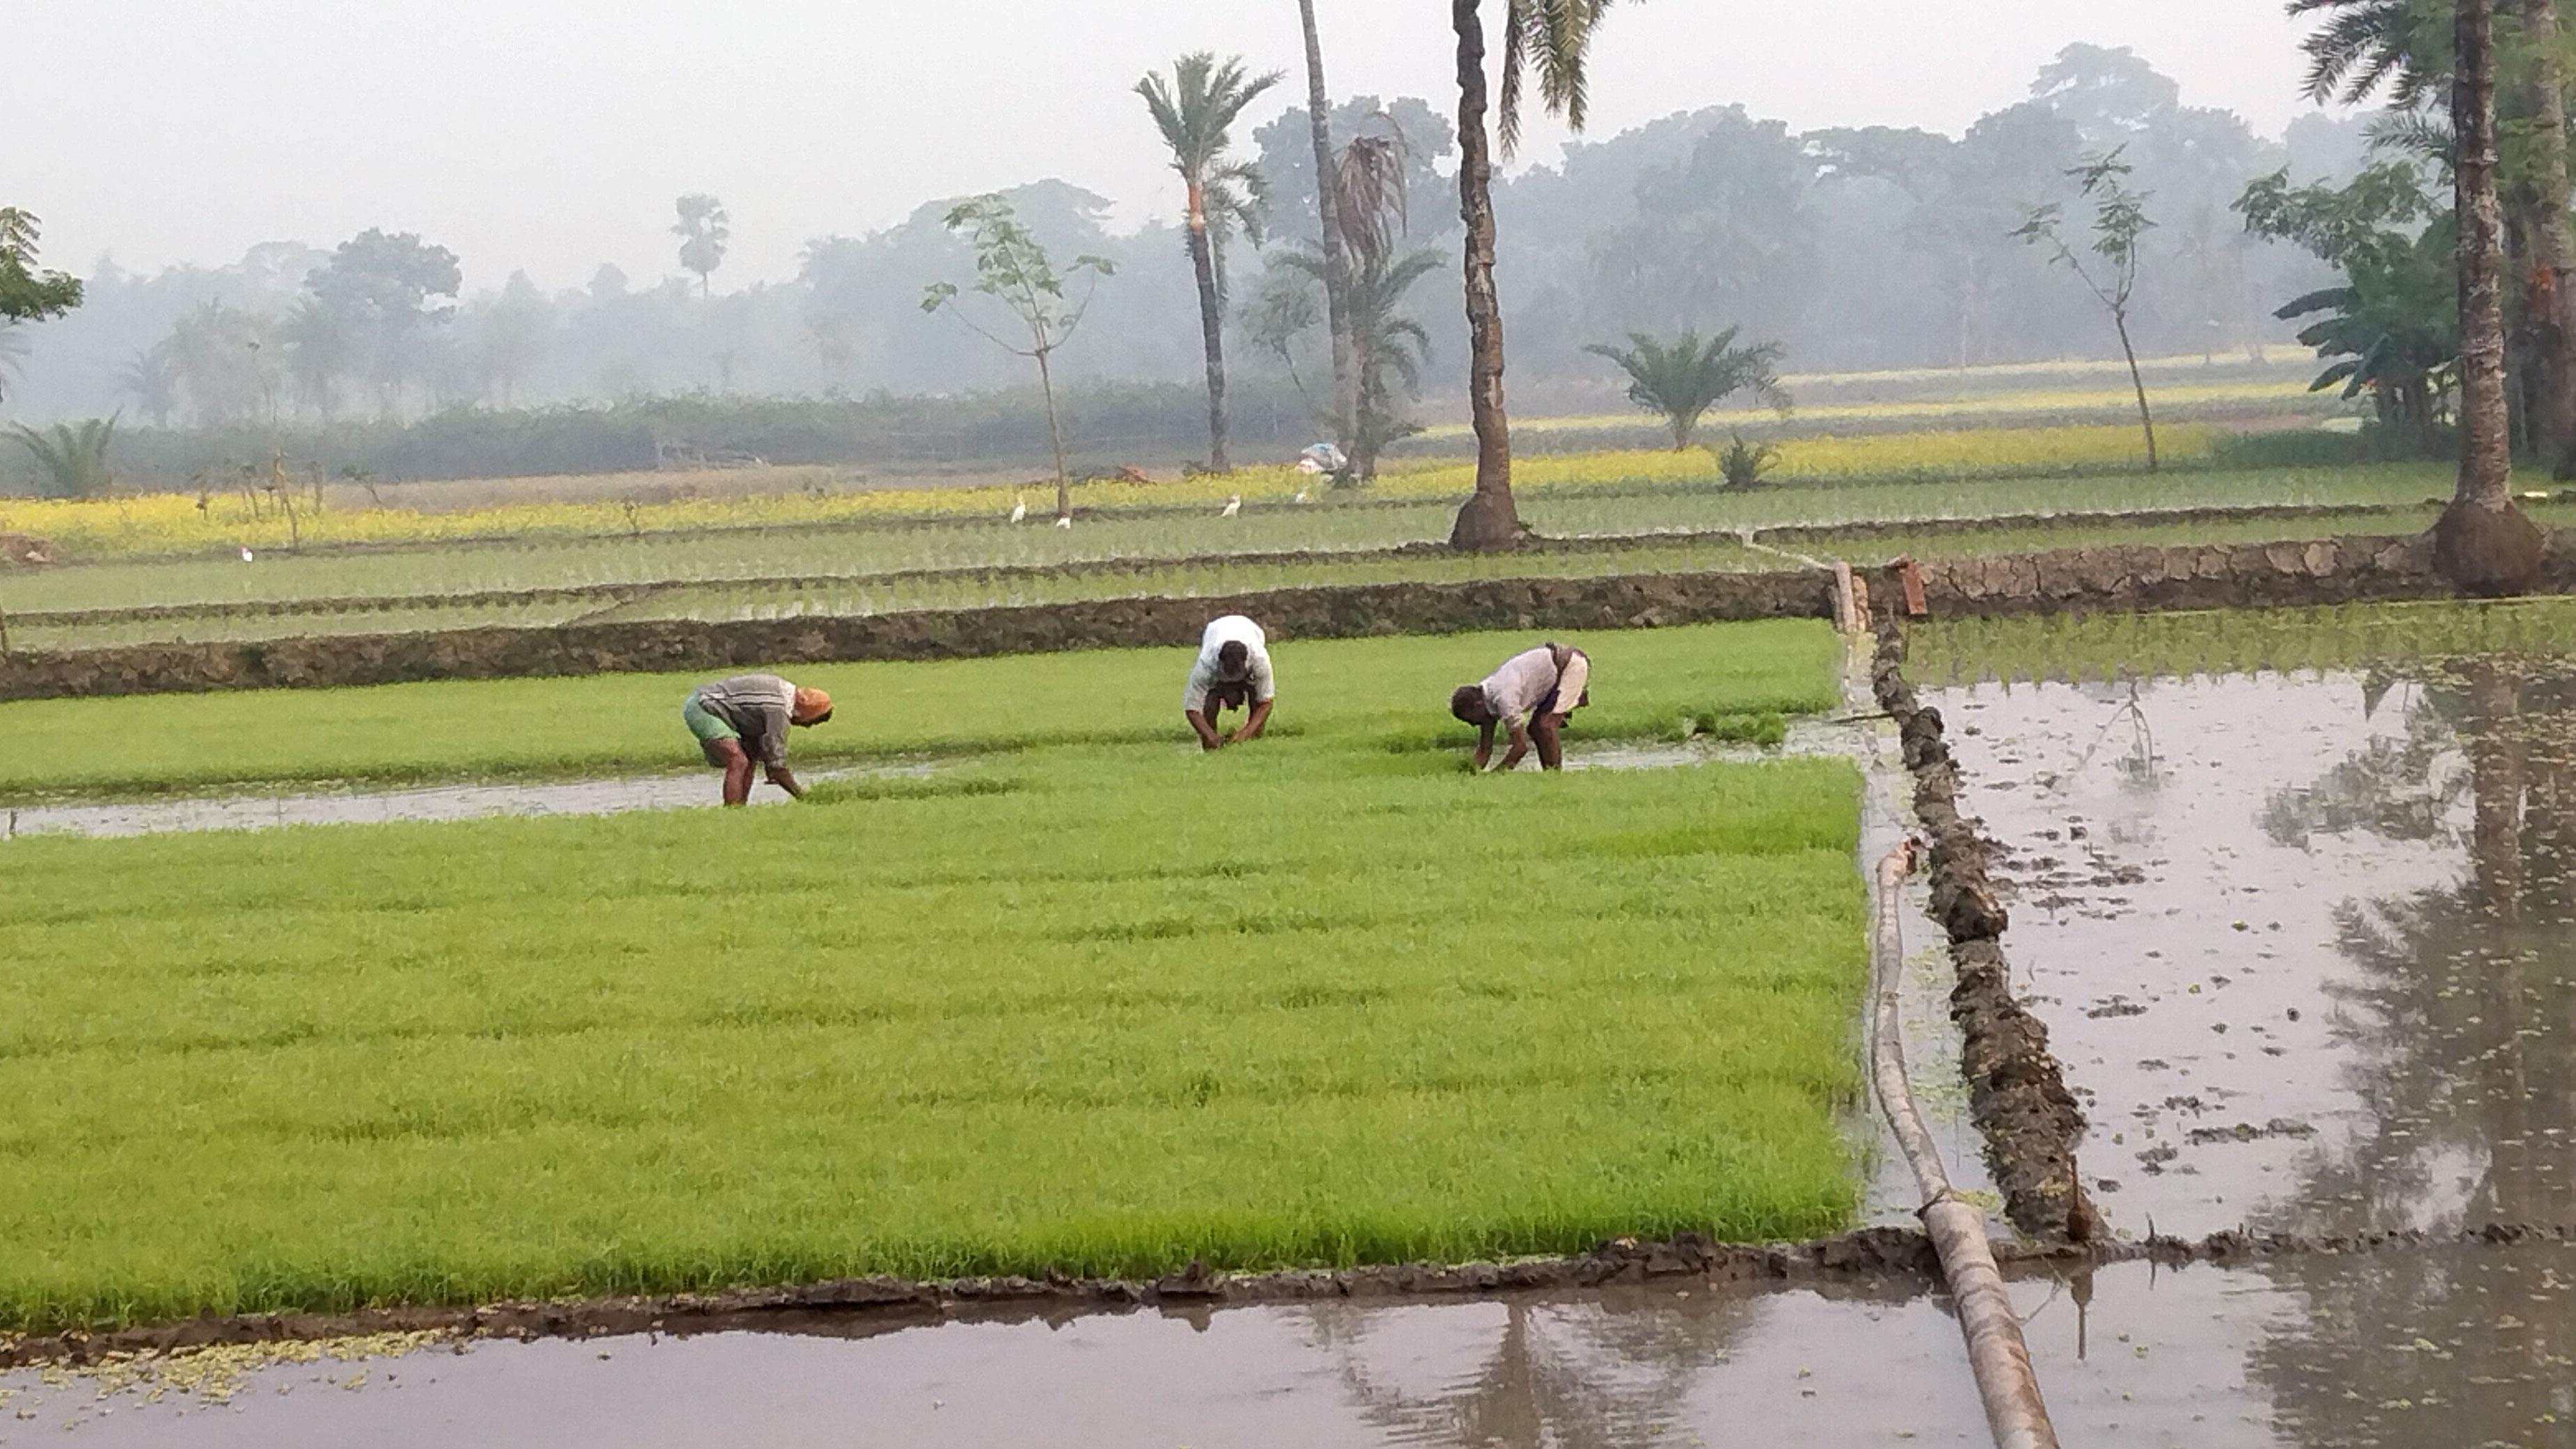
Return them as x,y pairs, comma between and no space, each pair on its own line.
1232,672
1531,696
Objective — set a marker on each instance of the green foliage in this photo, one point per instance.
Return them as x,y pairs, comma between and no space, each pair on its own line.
28,293
1551,39
1014,270
1071,1017
1681,379
2120,224
1741,464
1195,111
2391,330
1388,348
71,461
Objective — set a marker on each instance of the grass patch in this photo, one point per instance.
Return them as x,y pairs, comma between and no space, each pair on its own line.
1102,1008
1360,689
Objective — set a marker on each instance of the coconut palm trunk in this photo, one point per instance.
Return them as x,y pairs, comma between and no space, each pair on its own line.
2483,543
2551,297
1489,520
1211,327
1337,265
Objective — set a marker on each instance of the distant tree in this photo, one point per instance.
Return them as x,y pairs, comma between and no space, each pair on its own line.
514,333
1682,379
224,361
71,461
1013,270
322,348
1552,38
704,230
151,378
388,288
2483,542
2120,221
1319,114
1196,111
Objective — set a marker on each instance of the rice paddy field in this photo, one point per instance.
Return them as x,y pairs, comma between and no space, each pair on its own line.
1082,999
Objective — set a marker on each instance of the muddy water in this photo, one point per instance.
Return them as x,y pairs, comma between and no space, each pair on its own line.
452,802
2308,945
2200,1358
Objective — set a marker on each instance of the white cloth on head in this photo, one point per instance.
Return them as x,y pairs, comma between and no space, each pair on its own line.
1209,672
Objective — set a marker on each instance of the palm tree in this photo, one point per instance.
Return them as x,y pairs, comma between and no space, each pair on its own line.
2409,48
2483,542
1552,38
72,461
151,378
704,230
1686,377
1319,113
1388,349
1196,113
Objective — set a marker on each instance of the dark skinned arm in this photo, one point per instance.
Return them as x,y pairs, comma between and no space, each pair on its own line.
785,779
1253,726
1484,746
1209,739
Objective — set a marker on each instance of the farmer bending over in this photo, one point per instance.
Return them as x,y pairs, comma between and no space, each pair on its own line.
745,718
1233,672
1531,696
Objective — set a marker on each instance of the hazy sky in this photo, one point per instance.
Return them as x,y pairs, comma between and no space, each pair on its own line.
553,134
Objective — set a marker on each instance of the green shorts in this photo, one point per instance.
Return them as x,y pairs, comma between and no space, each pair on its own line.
708,726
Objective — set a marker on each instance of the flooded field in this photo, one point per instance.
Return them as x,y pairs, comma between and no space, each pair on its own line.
683,791
2201,1357
2308,944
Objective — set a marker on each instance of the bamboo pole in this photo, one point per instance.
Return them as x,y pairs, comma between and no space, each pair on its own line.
1997,1354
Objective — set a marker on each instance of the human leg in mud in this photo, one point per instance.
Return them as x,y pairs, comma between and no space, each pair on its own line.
728,756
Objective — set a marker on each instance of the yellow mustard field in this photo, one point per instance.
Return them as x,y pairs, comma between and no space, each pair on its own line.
170,523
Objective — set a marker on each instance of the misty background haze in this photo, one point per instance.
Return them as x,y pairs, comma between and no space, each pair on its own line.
525,163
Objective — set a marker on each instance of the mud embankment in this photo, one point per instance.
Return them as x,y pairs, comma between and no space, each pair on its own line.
2016,1091
1643,601
2111,576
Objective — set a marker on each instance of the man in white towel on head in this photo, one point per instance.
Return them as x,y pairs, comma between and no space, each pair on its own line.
1232,672
1531,696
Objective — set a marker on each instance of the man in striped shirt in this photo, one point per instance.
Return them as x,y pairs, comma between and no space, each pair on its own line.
746,718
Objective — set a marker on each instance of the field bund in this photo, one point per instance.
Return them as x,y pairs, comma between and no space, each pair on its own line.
1097,1006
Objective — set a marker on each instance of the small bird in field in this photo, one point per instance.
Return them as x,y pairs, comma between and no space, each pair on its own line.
1019,509
1064,520
1233,506
1301,495
245,555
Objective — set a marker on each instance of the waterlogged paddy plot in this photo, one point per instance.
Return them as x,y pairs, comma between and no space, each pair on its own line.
1099,1005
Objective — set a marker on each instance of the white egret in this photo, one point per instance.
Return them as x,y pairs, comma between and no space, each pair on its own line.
245,555
1019,509
1233,505
1064,520
1301,495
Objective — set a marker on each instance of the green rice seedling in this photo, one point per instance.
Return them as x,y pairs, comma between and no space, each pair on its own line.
1305,1003
1357,689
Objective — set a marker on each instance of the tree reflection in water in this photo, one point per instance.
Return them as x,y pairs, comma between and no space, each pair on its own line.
2461,1016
